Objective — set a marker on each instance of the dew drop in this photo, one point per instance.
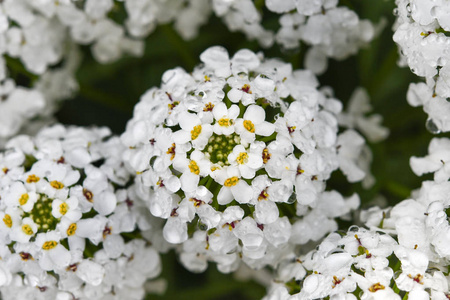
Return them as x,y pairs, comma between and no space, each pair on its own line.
353,228
292,199
432,127
202,226
397,274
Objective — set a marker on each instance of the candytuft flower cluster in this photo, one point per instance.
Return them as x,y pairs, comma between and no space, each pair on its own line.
238,153
69,225
422,33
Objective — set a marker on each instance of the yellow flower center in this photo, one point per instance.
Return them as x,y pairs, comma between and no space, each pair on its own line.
8,221
196,132
375,287
173,105
232,181
63,208
207,78
57,184
225,122
23,199
208,107
246,88
27,229
263,195
266,155
32,178
242,158
194,167
71,230
49,245
249,126
171,151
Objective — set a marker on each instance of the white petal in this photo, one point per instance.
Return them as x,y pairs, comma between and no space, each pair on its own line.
255,113
90,272
114,245
254,161
246,172
187,121
225,196
60,256
233,112
189,182
266,212
175,231
219,110
105,203
242,192
234,95
245,58
265,129
181,137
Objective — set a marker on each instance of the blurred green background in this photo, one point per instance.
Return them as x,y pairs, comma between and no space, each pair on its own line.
108,94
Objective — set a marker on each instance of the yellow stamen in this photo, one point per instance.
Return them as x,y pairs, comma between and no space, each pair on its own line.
32,178
263,195
376,287
23,199
249,126
173,105
7,220
225,122
242,158
71,230
63,208
207,78
232,181
49,245
196,132
27,229
171,151
208,107
56,184
266,155
246,88
194,167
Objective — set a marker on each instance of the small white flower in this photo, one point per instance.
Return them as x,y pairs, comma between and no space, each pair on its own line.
52,253
253,123
233,187
192,130
225,118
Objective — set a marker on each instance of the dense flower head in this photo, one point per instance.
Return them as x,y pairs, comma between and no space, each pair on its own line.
332,31
69,223
236,157
362,264
422,34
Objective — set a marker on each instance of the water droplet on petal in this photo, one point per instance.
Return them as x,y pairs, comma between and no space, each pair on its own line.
292,199
432,127
353,228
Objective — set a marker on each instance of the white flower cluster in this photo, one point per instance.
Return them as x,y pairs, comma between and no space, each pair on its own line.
70,228
236,157
363,264
422,32
40,34
405,251
331,31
